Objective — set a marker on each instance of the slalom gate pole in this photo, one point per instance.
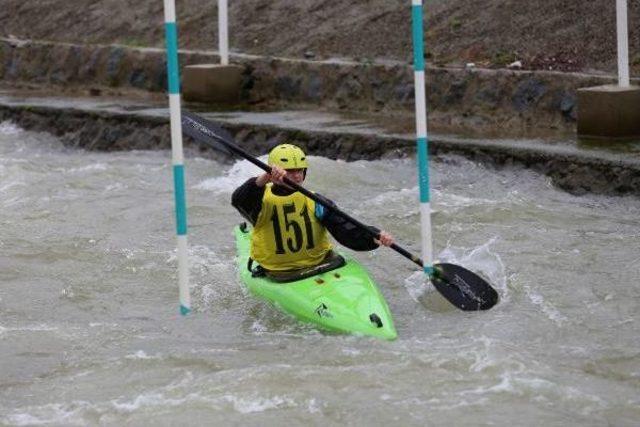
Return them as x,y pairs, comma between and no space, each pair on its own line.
623,43
177,156
421,135
223,32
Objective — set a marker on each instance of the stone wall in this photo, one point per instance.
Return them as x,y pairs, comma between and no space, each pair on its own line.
475,100
574,173
128,131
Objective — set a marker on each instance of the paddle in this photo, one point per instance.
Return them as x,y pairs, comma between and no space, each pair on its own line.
461,287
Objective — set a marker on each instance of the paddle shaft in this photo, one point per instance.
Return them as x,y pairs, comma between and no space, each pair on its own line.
242,153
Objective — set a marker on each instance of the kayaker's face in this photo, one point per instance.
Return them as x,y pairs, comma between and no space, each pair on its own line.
296,175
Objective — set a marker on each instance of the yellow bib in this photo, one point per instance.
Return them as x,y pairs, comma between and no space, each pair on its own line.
287,234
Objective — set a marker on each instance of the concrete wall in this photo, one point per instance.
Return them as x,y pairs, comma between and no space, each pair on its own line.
574,173
499,101
609,112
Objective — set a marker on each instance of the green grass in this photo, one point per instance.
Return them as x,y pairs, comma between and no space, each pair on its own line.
503,58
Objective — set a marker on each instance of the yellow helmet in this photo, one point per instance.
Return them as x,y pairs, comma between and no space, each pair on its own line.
288,156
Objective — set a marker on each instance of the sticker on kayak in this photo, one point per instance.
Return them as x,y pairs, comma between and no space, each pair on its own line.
323,311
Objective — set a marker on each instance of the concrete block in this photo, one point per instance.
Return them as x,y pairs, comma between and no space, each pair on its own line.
212,83
609,111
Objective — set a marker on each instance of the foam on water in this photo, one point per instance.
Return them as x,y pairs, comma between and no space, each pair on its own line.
154,400
251,404
406,195
11,185
351,351
313,406
453,202
53,413
98,166
272,322
232,178
113,256
388,200
28,328
212,277
101,324
537,388
115,187
243,404
141,355
9,128
488,355
547,308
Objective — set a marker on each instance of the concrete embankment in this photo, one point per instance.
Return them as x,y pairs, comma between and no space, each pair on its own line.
119,124
460,100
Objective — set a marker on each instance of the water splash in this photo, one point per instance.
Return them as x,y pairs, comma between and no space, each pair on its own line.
239,173
212,277
480,260
417,284
9,128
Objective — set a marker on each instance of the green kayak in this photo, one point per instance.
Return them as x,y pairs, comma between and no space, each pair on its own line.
344,299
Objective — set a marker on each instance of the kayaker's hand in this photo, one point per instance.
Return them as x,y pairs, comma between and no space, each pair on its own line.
385,239
276,175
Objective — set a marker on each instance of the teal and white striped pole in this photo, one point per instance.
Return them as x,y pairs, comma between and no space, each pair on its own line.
421,135
173,73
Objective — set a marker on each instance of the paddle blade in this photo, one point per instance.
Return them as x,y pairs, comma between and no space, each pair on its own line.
463,288
205,131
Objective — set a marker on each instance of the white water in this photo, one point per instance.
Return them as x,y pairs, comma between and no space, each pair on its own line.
89,330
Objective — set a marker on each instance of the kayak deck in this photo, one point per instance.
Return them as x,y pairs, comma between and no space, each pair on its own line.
343,300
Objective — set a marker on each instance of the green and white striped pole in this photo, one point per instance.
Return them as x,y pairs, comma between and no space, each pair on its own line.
421,135
173,74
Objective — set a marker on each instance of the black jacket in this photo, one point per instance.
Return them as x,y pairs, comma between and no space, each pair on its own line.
248,200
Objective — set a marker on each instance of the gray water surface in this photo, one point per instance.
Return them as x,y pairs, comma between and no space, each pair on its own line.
89,330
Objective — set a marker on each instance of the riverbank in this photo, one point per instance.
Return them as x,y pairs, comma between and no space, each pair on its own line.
141,122
471,101
570,36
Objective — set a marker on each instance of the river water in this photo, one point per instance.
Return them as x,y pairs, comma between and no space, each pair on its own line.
90,331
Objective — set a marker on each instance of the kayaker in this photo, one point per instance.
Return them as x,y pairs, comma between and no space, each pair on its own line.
290,230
